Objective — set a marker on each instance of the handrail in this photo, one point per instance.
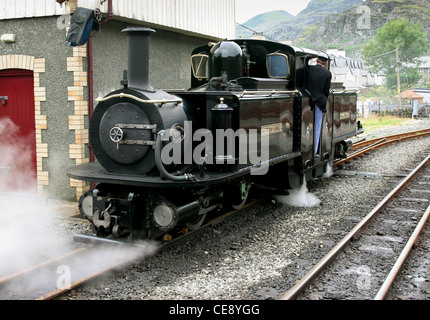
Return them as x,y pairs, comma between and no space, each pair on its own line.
344,91
125,95
271,92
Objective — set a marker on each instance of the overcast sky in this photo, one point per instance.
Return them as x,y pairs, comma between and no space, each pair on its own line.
247,9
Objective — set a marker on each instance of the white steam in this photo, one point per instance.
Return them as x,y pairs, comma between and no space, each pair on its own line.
27,233
31,228
329,171
24,216
16,172
300,197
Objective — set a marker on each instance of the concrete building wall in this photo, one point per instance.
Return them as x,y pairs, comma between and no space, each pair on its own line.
169,58
38,40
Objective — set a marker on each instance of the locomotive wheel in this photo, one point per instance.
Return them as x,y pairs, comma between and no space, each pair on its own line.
197,223
85,205
244,197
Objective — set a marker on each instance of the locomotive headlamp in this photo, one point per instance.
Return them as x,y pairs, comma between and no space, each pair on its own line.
165,216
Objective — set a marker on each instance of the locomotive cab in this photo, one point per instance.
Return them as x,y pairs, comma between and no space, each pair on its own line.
278,68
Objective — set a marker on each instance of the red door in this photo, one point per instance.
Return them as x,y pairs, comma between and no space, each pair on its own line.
18,166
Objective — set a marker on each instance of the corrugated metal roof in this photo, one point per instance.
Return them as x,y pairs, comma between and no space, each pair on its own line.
212,18
11,9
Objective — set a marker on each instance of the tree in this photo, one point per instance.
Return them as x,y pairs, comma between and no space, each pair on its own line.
380,53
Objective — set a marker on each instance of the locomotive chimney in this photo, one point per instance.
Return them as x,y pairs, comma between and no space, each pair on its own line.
138,57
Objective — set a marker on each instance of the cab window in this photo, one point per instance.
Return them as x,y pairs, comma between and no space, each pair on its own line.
277,65
199,65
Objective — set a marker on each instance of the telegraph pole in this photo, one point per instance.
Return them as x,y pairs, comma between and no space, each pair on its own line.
398,77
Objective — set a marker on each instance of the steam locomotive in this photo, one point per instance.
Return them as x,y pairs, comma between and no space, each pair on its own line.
168,161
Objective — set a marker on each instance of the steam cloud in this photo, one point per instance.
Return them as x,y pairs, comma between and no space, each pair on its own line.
15,156
25,217
299,197
29,228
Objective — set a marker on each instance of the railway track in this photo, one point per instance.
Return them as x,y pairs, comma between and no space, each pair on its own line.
56,277
62,270
53,278
360,148
397,210
24,284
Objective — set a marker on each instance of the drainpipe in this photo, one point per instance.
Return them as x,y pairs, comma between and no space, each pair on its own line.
110,13
91,85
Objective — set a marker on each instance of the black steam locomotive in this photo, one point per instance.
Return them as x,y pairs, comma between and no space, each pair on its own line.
169,160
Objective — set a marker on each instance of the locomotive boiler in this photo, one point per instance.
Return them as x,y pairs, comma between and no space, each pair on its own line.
169,160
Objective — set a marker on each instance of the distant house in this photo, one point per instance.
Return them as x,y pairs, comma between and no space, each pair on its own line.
344,75
425,92
351,72
410,96
424,68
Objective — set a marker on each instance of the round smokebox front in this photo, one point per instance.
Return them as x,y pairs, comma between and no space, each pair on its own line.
122,137
121,133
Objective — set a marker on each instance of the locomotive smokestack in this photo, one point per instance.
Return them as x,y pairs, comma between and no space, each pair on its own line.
138,57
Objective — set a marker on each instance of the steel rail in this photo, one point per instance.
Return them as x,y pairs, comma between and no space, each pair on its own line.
362,151
80,282
49,296
386,286
9,278
417,134
380,142
368,143
331,255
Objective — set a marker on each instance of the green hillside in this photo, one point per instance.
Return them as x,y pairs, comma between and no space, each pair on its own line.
279,25
345,30
346,24
262,23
